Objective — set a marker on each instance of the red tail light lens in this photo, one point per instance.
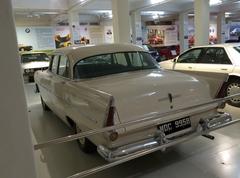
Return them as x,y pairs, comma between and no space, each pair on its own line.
110,118
111,112
113,135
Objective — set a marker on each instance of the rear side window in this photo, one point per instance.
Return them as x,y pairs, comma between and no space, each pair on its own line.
63,69
214,56
54,65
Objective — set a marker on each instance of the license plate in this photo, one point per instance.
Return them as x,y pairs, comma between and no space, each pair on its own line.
175,126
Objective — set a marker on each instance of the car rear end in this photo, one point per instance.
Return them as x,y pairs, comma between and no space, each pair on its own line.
163,109
148,106
158,130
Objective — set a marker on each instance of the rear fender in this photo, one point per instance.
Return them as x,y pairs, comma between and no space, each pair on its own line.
88,108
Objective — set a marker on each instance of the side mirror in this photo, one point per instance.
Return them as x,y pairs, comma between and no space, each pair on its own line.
175,60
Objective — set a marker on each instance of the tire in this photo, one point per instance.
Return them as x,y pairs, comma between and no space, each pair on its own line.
233,87
84,143
45,106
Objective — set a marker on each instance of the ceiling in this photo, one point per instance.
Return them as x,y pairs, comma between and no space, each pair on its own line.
165,8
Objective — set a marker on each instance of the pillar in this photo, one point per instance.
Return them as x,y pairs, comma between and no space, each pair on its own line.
221,27
16,150
183,31
121,21
73,20
201,21
136,24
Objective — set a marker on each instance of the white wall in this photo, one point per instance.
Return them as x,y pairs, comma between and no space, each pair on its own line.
40,38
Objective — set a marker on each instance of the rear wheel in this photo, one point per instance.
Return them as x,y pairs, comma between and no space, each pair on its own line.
44,105
84,143
233,87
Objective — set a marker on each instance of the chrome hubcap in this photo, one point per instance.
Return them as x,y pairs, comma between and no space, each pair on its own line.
81,140
234,88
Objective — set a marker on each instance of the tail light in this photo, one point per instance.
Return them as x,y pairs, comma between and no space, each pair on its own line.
110,120
111,112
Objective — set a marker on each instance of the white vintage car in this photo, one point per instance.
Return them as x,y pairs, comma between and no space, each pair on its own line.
218,59
31,62
103,86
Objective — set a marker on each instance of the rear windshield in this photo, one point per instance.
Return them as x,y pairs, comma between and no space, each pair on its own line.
34,57
114,63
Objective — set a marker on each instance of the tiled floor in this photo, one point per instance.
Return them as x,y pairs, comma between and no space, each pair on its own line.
198,158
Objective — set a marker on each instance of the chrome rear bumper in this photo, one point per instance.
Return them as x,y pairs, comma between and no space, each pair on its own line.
161,142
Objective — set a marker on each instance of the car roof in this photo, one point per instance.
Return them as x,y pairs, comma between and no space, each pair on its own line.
80,52
219,45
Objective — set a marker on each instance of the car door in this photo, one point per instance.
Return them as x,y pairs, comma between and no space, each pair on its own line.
46,81
187,60
60,88
214,59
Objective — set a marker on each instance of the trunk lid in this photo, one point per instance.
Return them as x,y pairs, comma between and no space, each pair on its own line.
144,92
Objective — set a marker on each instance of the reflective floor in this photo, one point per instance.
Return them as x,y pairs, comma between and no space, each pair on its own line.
198,158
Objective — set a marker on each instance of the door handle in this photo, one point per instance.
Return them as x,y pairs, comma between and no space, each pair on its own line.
224,69
189,67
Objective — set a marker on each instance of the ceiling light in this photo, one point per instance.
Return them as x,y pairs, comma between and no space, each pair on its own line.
228,14
104,11
152,13
82,2
156,1
155,16
215,2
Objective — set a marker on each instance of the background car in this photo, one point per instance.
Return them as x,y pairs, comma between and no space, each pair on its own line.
154,53
235,31
94,87
222,58
24,47
31,62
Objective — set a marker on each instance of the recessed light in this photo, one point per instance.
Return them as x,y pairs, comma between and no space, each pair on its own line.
152,13
215,2
156,1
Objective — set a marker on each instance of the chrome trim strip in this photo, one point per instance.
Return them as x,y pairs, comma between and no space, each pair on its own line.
151,119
